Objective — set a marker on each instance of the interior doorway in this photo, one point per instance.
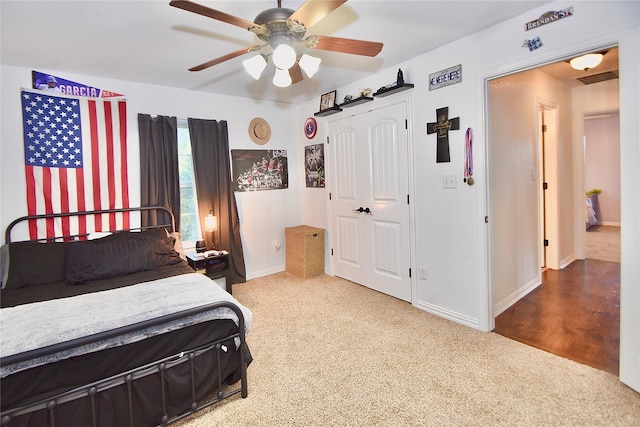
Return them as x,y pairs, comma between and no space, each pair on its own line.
511,207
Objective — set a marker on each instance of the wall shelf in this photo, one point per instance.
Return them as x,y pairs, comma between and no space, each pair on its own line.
356,101
328,111
386,91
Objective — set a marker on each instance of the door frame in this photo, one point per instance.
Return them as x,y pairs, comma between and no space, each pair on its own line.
405,98
629,47
548,171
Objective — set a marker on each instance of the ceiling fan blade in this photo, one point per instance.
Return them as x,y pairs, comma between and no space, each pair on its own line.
295,73
190,6
221,59
338,44
313,11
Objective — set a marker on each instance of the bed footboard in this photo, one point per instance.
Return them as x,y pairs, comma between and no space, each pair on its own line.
173,387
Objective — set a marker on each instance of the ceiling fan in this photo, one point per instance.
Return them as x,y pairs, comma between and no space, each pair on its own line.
280,28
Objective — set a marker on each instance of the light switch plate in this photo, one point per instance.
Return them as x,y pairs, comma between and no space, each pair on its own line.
448,181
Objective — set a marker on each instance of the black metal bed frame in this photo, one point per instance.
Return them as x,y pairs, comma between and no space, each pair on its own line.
171,224
160,366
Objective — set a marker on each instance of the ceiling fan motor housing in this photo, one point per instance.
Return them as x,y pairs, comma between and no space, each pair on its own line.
279,30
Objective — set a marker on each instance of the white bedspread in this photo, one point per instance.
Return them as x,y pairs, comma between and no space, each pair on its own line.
31,326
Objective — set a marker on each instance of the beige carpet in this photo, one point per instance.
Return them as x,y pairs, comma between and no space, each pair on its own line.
328,352
603,242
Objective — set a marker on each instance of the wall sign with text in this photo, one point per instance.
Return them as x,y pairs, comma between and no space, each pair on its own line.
446,77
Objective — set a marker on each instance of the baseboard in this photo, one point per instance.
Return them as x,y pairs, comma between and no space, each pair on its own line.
568,260
610,223
448,314
265,272
515,297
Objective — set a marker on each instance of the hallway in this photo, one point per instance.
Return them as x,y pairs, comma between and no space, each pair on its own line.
575,312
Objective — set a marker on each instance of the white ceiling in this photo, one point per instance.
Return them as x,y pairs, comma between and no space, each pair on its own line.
152,42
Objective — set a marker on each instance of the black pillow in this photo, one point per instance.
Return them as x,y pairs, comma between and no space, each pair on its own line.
159,233
111,257
33,263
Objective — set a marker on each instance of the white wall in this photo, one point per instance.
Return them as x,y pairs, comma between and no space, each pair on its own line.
450,232
262,215
602,165
513,179
597,98
593,100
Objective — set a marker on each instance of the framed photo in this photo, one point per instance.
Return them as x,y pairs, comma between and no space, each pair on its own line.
328,100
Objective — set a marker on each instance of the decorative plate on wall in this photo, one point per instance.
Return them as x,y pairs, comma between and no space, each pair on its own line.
259,131
310,128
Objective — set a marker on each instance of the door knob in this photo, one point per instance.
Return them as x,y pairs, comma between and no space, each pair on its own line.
360,209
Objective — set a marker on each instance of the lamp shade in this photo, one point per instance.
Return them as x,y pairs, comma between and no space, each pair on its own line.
309,64
255,66
284,56
585,62
210,223
282,78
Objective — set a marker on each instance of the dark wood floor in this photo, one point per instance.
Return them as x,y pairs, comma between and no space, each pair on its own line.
574,313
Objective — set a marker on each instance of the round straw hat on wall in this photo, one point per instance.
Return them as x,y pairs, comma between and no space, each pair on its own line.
259,131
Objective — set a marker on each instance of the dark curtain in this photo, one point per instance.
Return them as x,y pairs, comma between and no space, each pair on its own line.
159,178
214,186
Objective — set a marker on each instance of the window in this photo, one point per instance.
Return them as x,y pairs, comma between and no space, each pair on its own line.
189,220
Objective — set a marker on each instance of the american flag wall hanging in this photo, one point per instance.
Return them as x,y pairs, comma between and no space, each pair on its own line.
75,153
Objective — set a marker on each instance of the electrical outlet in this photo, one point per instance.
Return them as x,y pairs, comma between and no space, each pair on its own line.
448,181
277,245
422,273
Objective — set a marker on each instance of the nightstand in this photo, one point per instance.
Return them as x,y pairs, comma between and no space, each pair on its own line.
214,267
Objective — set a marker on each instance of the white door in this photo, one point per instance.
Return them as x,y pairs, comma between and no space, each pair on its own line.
370,211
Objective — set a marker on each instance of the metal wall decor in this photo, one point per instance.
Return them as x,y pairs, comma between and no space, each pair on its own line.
532,44
442,127
310,128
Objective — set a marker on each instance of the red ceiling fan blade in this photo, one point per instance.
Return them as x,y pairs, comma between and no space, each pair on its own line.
338,44
221,59
215,14
313,11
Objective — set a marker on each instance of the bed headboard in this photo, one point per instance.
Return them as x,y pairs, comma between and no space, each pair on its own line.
170,225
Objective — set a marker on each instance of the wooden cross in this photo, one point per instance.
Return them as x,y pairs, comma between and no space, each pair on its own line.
442,127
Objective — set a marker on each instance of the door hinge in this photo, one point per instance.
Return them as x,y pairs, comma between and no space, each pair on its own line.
546,242
544,128
486,220
331,251
545,186
409,272
327,140
329,196
406,124
408,202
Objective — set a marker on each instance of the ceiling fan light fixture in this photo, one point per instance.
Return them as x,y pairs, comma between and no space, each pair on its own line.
255,66
309,64
284,56
282,78
585,62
